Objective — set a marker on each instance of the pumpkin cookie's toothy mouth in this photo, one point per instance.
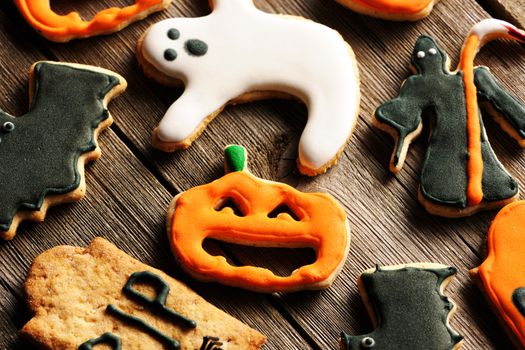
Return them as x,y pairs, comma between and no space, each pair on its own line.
242,209
280,261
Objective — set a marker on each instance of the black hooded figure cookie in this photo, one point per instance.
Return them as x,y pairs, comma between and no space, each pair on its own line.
461,173
44,151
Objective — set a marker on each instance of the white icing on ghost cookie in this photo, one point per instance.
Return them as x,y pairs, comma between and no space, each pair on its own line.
239,50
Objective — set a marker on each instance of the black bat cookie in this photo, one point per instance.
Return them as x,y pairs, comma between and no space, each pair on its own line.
44,151
408,309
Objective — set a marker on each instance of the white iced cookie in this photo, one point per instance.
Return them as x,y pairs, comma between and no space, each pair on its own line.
240,54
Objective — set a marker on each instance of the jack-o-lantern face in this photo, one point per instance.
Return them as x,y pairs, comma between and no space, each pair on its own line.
55,27
267,214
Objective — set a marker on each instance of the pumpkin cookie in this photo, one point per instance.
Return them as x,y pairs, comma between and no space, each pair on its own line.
241,208
502,275
83,297
44,151
394,10
461,175
408,308
63,28
240,54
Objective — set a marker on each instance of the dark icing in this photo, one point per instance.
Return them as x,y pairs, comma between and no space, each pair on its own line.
157,305
410,310
173,34
434,89
211,343
518,298
170,55
144,326
40,155
196,47
106,338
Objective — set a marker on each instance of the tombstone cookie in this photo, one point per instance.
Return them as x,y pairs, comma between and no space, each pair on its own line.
61,28
461,174
501,276
241,208
408,308
44,151
394,10
83,297
240,54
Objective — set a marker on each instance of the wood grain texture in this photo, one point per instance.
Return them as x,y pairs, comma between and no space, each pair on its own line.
510,10
130,186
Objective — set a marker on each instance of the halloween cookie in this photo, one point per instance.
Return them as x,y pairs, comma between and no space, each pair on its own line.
240,54
502,275
44,151
394,10
82,297
408,308
241,208
461,174
62,28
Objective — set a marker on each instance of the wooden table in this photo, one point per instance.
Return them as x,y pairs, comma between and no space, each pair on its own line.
129,188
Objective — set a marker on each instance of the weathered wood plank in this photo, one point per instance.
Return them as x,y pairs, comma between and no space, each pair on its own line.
510,10
124,203
383,209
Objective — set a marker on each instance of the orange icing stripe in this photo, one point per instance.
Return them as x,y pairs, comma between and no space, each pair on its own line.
321,226
396,6
504,269
38,14
475,161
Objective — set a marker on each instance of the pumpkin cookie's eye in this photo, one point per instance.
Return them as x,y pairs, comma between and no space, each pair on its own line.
228,202
283,209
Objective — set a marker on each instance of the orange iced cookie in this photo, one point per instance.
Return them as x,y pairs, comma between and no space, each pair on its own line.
62,28
502,275
244,209
396,10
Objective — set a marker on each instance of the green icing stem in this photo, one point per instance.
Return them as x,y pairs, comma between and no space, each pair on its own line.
235,158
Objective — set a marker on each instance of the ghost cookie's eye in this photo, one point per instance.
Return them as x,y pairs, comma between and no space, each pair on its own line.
170,55
173,34
196,47
420,54
432,51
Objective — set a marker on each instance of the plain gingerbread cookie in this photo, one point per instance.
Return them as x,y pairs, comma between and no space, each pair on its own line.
82,297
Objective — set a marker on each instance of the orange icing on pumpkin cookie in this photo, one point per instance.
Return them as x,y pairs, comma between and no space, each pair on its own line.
503,271
313,220
62,28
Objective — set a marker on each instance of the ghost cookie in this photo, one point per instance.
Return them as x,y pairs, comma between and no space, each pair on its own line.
44,151
408,309
240,54
83,297
394,10
241,208
62,28
461,174
501,276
